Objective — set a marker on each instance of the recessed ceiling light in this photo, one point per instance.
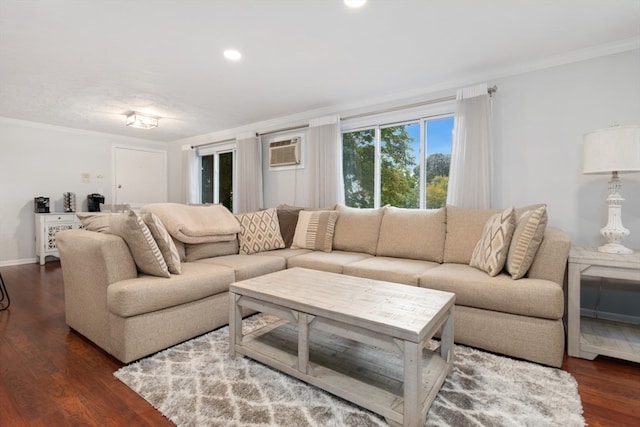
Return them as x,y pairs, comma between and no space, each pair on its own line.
232,54
355,3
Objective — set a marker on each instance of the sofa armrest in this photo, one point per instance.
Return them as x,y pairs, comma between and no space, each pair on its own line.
550,261
90,262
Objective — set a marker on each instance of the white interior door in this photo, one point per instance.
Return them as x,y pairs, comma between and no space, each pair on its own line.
140,176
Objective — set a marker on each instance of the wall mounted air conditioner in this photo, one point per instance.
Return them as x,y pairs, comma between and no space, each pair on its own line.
285,152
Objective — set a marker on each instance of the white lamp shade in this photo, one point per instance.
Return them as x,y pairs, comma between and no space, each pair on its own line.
616,148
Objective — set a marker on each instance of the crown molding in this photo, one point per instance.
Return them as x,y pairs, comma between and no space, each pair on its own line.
419,94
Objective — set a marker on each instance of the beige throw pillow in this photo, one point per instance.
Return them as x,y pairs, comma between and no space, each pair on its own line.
526,240
259,232
490,252
314,230
164,241
95,221
143,247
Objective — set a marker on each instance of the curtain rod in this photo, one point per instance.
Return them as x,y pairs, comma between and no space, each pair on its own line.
283,129
490,90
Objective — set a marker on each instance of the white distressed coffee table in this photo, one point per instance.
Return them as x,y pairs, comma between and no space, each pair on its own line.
364,340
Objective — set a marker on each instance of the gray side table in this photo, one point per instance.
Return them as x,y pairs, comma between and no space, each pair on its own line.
589,337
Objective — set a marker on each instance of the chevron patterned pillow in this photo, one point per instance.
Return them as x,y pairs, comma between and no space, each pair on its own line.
491,251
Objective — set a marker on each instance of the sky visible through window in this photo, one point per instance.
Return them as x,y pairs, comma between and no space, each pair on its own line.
439,136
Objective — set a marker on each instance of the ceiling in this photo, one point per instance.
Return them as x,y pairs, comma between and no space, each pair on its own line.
83,64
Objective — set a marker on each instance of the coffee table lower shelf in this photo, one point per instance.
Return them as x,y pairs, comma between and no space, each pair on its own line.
368,376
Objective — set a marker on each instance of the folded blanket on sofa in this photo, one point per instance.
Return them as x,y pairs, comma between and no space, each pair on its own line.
196,223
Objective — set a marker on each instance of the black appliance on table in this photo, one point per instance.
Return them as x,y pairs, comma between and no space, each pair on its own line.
93,202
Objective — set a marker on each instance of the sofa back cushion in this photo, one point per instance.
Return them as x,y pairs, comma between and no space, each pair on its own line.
464,230
196,251
357,230
413,233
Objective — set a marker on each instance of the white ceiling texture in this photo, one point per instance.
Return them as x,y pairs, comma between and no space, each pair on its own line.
84,63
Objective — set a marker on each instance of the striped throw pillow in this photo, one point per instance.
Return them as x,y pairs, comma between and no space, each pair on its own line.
314,230
144,249
526,241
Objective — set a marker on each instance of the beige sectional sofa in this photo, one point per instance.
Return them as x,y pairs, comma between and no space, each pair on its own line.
131,315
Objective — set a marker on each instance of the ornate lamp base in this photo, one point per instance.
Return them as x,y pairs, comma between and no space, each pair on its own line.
614,232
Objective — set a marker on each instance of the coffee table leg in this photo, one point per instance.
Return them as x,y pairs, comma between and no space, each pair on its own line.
303,342
412,383
446,338
235,323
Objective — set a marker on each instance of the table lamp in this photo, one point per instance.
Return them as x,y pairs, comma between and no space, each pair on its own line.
613,150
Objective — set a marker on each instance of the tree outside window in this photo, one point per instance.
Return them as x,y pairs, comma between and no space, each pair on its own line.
394,176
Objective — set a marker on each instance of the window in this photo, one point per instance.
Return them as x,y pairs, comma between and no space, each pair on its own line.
218,175
404,164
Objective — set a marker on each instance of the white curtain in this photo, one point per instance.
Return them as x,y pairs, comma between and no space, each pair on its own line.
325,161
470,170
190,175
249,197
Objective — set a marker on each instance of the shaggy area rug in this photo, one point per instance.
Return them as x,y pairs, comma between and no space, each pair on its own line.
196,384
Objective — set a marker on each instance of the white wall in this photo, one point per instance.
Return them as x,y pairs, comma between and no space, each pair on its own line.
540,118
42,160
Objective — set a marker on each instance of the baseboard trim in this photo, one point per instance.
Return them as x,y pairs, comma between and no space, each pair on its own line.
11,262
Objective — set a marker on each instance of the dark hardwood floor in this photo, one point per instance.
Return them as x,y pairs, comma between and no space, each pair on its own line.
51,376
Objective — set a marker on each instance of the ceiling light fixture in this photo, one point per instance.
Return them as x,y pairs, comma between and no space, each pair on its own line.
141,121
354,3
232,55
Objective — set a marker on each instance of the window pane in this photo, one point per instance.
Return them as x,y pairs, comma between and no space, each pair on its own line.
225,192
207,179
439,137
399,168
358,151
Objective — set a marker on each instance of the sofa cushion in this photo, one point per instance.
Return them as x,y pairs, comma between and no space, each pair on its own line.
196,251
357,230
259,231
164,241
147,294
526,239
491,251
248,266
464,230
398,270
143,247
333,262
196,223
413,233
314,230
474,288
286,253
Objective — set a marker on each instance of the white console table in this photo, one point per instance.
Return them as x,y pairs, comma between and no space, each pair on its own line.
589,337
47,225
